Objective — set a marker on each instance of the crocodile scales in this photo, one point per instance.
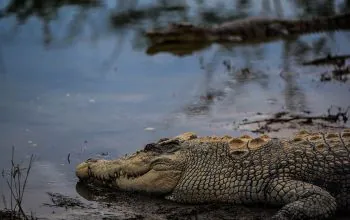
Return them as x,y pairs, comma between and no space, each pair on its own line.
307,175
248,30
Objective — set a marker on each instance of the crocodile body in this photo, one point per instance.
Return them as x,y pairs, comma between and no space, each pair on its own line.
248,30
307,175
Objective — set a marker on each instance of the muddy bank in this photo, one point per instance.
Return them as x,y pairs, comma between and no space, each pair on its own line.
109,205
104,204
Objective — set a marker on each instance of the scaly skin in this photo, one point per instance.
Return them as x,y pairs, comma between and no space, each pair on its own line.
248,30
308,175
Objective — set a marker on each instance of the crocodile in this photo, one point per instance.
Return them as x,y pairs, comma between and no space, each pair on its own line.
247,30
307,175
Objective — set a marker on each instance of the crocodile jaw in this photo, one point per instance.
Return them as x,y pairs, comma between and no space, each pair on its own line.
159,182
131,174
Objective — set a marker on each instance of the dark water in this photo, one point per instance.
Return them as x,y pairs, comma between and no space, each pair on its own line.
74,82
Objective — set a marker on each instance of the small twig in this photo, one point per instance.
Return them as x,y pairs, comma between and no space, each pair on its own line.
293,118
338,60
27,174
11,184
68,158
4,201
19,184
17,187
17,201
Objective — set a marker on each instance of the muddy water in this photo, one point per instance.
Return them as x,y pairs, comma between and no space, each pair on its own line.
74,85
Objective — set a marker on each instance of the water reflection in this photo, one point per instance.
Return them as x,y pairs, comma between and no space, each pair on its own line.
46,11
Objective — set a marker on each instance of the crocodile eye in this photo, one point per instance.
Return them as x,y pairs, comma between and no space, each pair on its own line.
163,139
152,147
169,143
92,160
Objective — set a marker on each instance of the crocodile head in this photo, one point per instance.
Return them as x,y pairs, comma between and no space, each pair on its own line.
164,167
155,169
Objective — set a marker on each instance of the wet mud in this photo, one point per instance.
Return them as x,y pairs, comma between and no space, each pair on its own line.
110,204
106,204
284,120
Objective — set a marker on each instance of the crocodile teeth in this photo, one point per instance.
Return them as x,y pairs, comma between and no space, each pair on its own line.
123,174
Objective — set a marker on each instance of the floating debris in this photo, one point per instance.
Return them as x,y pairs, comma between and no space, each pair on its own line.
149,129
338,60
265,125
